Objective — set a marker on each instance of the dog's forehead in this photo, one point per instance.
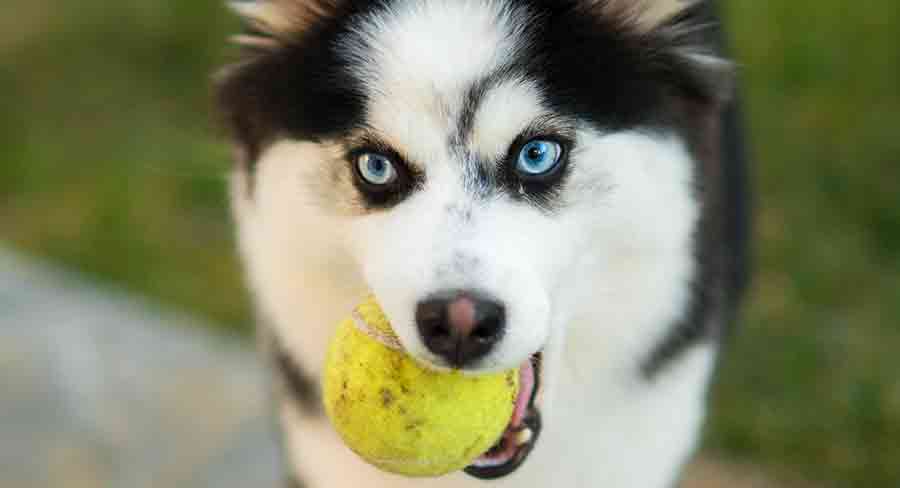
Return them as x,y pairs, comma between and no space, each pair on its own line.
425,65
412,72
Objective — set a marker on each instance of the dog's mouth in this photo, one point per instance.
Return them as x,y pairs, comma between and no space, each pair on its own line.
521,434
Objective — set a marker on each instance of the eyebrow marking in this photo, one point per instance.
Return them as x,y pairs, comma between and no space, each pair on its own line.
472,101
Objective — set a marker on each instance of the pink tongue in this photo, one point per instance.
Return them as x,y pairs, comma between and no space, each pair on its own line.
526,387
508,445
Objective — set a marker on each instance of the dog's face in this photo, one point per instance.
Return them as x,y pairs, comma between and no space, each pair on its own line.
491,170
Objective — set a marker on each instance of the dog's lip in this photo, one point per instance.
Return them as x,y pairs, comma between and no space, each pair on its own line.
512,449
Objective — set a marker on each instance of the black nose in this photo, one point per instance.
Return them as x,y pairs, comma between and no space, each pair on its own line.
461,327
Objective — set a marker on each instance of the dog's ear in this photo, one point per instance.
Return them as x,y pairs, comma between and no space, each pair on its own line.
684,37
264,86
271,23
269,26
643,15
695,40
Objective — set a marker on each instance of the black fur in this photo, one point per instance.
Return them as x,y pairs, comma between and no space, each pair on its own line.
303,389
593,67
602,70
293,482
737,186
715,135
303,89
590,66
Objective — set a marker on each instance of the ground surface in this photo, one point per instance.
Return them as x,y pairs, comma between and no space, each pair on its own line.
101,390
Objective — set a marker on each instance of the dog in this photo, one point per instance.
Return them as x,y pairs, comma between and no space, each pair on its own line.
556,185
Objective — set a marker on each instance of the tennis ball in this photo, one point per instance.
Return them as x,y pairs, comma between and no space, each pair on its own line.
405,418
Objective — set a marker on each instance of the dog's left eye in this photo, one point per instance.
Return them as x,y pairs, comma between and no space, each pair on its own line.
538,157
376,169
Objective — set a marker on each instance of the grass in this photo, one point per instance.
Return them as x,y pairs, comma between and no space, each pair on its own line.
810,385
110,162
110,165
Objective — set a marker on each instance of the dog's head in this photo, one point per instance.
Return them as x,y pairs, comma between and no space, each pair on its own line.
493,170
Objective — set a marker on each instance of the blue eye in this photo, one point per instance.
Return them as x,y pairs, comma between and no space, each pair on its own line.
376,169
538,157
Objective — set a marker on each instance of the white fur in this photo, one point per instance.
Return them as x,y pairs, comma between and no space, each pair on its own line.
417,62
302,281
595,284
598,435
614,272
505,112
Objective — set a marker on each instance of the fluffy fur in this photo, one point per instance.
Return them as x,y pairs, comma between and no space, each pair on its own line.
623,273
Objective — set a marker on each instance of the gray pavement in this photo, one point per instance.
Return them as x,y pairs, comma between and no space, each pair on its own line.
98,389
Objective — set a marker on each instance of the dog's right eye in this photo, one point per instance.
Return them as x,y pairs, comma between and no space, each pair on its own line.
376,169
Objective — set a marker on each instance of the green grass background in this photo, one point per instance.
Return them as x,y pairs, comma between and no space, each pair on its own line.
109,164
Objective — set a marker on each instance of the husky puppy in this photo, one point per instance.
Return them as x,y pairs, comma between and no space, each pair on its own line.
552,184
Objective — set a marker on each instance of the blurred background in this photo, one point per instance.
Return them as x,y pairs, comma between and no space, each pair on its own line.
112,170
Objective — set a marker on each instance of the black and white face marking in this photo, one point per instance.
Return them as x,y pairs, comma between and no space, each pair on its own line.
524,149
304,79
531,170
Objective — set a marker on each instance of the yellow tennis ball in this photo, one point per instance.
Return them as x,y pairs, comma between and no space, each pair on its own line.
405,418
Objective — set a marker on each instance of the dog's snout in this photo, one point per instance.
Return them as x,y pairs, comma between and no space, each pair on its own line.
461,327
